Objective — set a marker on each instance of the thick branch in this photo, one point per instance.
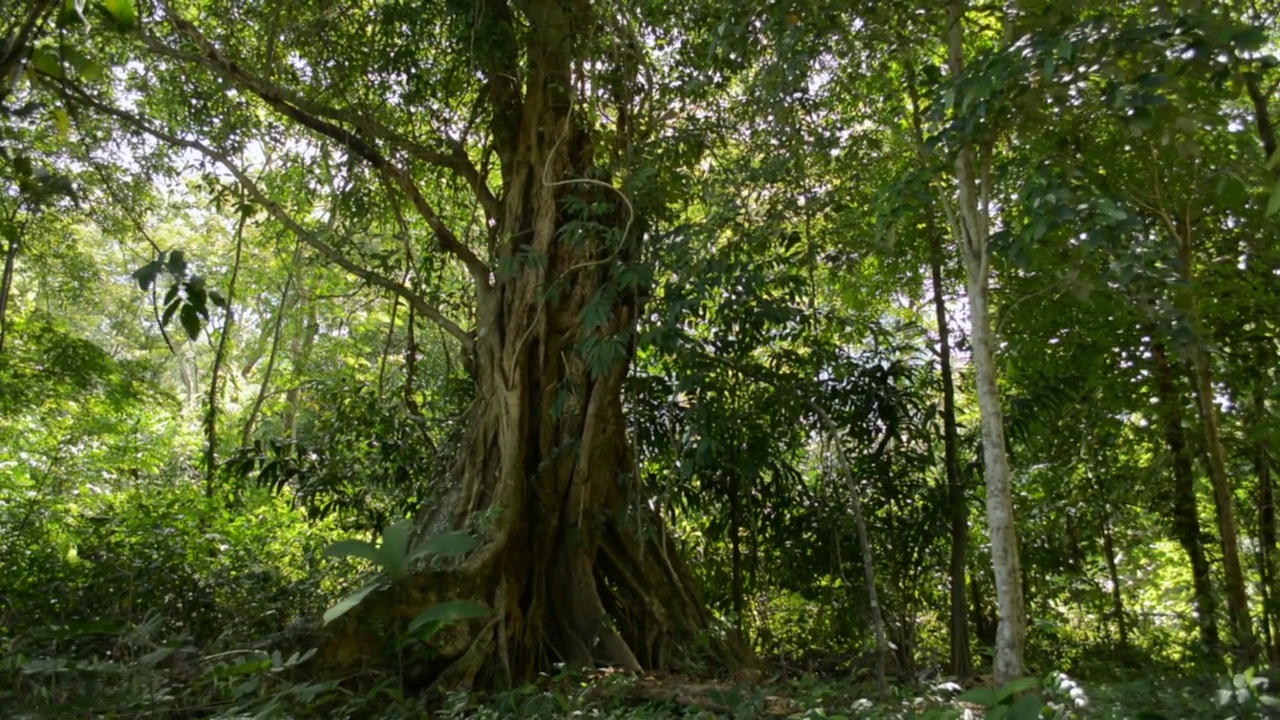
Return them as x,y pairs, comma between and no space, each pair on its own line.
310,238
283,102
16,48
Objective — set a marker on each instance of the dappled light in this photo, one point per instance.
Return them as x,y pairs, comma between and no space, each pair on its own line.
639,359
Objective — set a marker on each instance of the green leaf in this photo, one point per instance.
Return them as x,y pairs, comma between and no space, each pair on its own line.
146,275
345,604
169,310
154,657
124,12
1026,708
177,264
1273,205
46,61
72,12
1274,160
395,548
216,298
190,319
450,544
1017,686
354,548
1143,118
449,611
985,697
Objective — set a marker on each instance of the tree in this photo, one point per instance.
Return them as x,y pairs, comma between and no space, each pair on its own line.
555,145
971,222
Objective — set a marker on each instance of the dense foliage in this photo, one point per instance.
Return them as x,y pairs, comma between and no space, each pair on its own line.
354,353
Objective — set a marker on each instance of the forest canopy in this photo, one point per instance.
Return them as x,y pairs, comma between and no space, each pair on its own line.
454,345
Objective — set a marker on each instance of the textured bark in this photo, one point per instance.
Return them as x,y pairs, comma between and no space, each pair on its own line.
1185,511
973,232
577,571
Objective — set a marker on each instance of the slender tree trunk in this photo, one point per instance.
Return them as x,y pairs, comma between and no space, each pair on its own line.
1113,574
282,309
735,543
1237,594
1224,503
972,232
1185,510
1261,453
961,658
864,539
411,365
303,341
6,286
957,499
219,356
386,346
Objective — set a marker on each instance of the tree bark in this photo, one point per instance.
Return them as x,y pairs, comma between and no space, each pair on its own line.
1261,452
576,572
1113,575
6,285
219,356
972,233
1185,510
1224,503
957,499
735,543
574,568
864,539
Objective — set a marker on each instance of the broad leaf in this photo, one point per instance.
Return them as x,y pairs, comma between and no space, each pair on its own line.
395,548
450,544
354,548
347,603
1017,686
1026,708
449,611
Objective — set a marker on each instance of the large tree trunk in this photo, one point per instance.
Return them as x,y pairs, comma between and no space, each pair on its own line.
574,564
1185,511
576,569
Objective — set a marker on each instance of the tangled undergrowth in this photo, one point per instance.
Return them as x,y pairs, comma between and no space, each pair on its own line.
97,670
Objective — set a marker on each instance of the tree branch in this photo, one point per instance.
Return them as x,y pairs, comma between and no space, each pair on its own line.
311,115
310,238
15,49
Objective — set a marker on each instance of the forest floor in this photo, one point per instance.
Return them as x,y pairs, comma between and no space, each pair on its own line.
260,687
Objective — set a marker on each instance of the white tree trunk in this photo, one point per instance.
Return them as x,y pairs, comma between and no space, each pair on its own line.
1001,528
971,226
